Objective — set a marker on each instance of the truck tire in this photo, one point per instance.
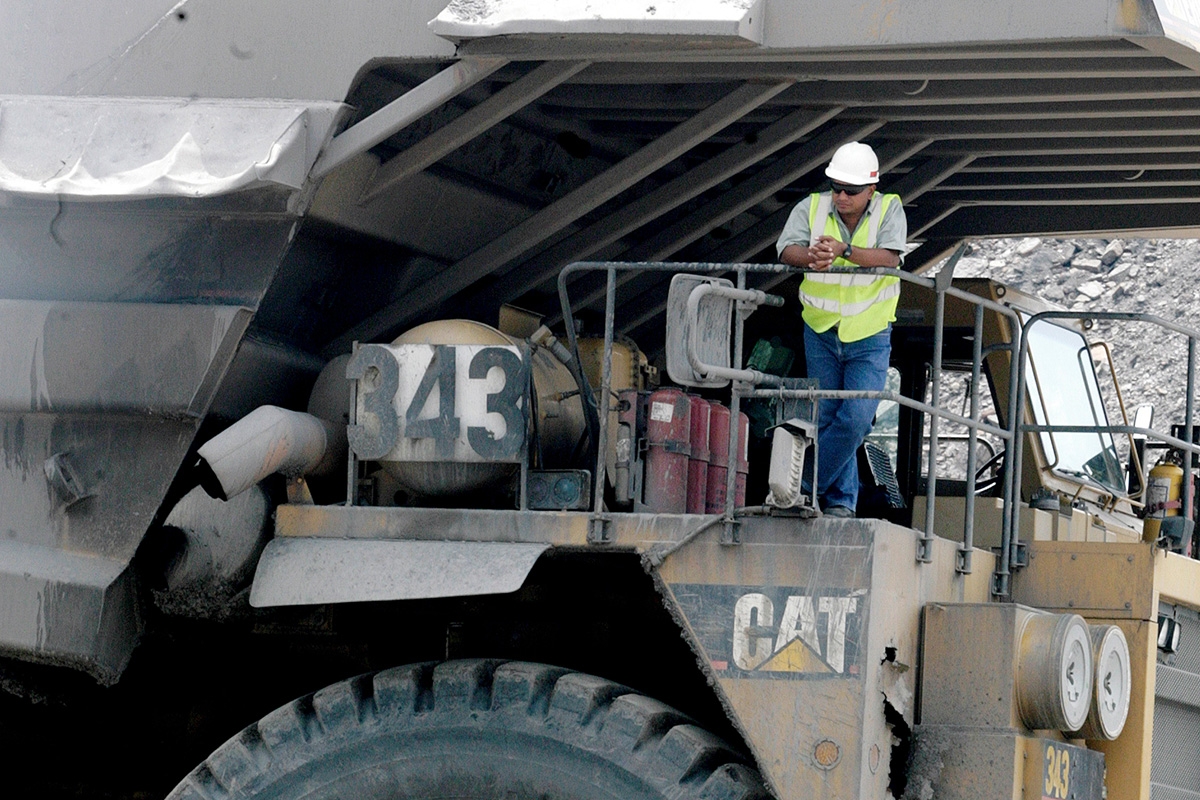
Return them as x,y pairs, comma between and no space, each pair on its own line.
474,730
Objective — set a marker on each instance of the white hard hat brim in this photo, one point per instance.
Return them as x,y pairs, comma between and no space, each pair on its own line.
841,176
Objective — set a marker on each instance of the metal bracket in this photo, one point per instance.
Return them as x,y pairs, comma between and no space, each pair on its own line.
963,561
63,478
1002,583
925,550
352,478
731,533
600,529
1021,556
298,492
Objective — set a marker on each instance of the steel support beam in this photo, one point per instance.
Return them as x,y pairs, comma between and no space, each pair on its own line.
903,69
1082,162
1131,193
1070,146
751,241
554,217
763,233
929,215
991,129
988,91
1005,114
404,110
1069,220
1032,109
671,195
1141,178
748,193
470,124
929,175
755,189
915,94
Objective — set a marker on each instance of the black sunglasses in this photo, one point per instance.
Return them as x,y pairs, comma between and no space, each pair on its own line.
849,191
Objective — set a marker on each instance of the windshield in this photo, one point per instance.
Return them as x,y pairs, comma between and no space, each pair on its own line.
1064,391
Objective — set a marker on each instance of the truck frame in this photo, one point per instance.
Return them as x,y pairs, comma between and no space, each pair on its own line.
201,210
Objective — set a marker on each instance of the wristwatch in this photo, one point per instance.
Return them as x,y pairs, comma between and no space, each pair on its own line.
846,252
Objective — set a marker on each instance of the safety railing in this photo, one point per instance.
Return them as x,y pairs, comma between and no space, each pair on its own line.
940,285
1010,542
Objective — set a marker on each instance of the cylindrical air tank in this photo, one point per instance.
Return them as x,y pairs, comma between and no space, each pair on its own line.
558,426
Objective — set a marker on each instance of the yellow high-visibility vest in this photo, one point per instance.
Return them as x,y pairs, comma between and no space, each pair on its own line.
860,305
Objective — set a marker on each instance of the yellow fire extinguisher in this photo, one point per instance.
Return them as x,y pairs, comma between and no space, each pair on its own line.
1164,487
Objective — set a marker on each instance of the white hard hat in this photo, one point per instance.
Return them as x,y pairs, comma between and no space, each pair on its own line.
854,163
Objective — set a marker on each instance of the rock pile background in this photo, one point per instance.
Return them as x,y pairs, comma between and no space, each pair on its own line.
1154,276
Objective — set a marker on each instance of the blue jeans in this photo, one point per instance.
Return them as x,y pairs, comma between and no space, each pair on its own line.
844,424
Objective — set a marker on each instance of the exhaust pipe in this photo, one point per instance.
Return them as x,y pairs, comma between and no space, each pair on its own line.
265,441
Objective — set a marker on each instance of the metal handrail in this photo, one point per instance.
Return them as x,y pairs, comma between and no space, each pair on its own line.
1010,538
1134,460
1012,434
611,268
739,390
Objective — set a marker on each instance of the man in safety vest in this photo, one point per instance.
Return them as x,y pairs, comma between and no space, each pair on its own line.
847,318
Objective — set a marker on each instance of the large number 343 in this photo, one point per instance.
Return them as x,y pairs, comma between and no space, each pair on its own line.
1057,773
378,374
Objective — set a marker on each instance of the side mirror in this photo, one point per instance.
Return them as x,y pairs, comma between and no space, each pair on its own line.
699,326
711,330
1143,417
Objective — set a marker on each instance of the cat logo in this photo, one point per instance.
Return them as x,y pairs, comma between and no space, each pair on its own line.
807,635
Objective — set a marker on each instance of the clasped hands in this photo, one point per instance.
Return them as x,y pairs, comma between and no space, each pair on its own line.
824,250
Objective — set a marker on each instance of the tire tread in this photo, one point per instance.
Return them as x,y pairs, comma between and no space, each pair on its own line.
636,733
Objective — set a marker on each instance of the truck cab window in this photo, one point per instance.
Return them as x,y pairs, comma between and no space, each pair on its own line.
1064,390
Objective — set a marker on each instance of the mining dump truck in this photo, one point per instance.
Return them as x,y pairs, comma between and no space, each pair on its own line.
397,402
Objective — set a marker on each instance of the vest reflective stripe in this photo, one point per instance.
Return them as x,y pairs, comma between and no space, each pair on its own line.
851,309
841,279
860,305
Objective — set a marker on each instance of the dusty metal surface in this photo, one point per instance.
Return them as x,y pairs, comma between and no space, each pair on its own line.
1024,118
558,528
115,358
1077,116
1174,771
956,765
201,48
1078,577
67,609
137,237
808,629
299,571
117,390
100,405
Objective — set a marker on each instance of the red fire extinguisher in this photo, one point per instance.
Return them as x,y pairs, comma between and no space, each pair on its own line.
668,439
